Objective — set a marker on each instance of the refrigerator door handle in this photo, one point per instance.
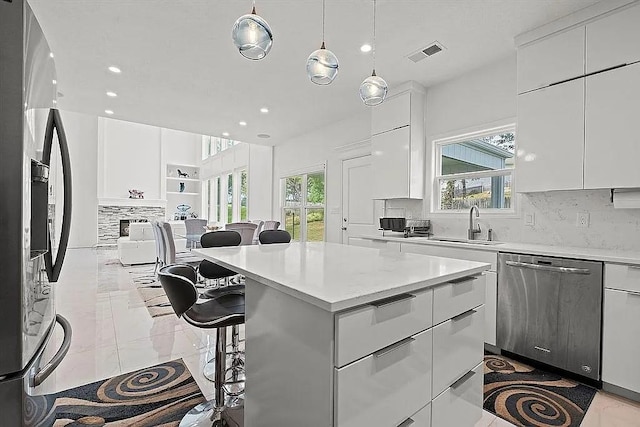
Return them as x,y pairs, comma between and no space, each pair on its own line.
54,121
43,373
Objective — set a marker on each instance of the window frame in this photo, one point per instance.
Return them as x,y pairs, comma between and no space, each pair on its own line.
436,175
304,204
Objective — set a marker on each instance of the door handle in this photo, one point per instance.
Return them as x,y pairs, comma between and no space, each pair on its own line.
344,228
569,270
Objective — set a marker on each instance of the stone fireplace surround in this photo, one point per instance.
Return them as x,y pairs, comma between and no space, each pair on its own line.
110,214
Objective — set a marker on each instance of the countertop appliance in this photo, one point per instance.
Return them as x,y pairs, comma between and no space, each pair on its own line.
410,227
35,212
550,310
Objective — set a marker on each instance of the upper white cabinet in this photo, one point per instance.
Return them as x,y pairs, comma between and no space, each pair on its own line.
612,145
553,59
551,138
614,40
397,147
393,113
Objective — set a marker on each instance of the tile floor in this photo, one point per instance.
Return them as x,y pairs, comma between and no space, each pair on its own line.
113,333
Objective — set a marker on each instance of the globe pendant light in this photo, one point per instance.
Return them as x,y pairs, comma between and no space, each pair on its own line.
373,89
252,35
322,64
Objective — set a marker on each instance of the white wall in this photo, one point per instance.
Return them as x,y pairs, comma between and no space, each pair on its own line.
316,147
182,148
130,155
82,137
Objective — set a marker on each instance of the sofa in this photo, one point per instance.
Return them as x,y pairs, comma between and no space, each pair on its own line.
140,246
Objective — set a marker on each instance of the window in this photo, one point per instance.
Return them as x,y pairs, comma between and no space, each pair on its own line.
229,198
244,192
475,169
303,206
212,145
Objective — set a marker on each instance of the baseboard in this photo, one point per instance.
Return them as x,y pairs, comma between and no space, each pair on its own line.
620,391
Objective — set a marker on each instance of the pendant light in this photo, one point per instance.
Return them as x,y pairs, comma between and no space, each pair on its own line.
322,64
252,35
373,89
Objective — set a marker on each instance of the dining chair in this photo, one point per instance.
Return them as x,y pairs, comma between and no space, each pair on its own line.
170,254
246,230
256,234
194,226
160,247
271,225
268,237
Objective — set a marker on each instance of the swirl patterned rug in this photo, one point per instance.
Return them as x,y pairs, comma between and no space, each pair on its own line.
155,396
530,397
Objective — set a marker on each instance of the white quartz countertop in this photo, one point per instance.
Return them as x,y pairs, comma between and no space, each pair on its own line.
592,254
335,277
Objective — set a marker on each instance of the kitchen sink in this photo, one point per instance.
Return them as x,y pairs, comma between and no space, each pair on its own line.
467,241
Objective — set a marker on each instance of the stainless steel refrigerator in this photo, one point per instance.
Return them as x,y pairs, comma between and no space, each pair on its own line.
34,214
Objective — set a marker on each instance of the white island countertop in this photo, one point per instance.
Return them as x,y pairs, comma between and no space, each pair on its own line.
335,277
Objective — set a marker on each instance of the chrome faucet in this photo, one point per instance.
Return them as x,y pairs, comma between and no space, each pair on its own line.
471,233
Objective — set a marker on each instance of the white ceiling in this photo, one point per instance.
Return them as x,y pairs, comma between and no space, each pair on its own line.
180,68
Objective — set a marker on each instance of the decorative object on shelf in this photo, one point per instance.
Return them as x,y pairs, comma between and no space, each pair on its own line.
322,64
183,212
252,35
181,187
136,194
182,174
373,89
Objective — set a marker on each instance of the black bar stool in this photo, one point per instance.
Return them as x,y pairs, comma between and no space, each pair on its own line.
226,309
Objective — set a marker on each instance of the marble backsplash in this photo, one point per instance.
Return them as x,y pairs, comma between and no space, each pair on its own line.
555,221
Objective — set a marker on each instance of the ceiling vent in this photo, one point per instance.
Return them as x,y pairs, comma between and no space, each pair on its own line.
426,52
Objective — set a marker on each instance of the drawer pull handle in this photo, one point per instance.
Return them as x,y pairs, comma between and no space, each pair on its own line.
457,383
635,294
634,267
463,315
546,350
392,300
463,280
393,347
406,423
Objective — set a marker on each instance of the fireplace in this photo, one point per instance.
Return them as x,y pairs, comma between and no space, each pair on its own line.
113,220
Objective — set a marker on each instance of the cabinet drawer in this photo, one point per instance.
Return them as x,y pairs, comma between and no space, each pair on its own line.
625,277
422,418
448,252
458,346
457,296
387,387
461,403
620,346
362,331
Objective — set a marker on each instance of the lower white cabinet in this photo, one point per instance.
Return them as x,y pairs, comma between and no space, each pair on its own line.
456,297
620,342
461,403
457,347
422,418
490,306
386,387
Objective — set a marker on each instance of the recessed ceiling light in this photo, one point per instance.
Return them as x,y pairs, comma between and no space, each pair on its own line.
55,82
114,69
112,94
365,48
225,133
264,110
109,112
50,54
242,123
264,135
55,102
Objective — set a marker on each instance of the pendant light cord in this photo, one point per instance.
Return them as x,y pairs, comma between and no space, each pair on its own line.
323,15
374,37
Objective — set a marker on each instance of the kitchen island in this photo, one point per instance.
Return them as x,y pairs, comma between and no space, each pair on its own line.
344,336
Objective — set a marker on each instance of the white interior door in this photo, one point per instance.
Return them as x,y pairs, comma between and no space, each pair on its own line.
358,206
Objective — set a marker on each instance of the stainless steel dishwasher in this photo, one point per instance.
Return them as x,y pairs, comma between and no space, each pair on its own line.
550,310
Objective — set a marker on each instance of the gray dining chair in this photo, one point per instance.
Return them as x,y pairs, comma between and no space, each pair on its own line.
256,234
170,255
246,229
160,246
194,226
271,225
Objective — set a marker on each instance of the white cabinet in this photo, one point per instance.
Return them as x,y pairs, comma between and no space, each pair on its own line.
551,138
620,343
393,113
397,147
461,403
614,40
612,141
490,306
551,60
